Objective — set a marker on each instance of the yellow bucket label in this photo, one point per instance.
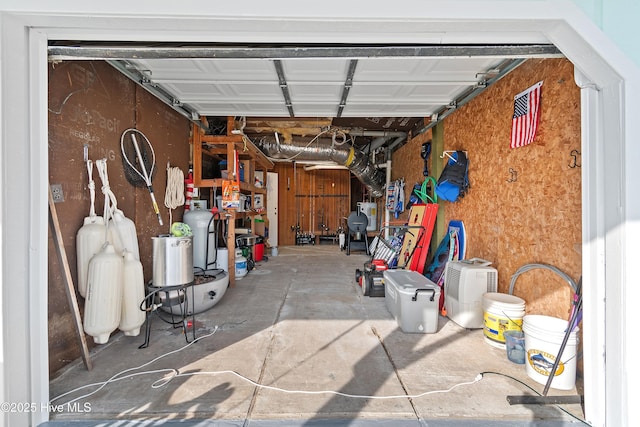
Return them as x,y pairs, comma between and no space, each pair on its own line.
495,327
542,362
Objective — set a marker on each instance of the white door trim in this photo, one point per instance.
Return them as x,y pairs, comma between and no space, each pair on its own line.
612,231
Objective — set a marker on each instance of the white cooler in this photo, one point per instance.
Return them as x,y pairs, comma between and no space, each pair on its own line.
413,300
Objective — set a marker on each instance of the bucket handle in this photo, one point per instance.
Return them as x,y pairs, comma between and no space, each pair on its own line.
433,294
512,321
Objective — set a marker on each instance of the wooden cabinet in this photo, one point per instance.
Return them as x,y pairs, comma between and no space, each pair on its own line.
224,147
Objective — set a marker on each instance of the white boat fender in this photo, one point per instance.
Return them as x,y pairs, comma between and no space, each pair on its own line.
133,294
90,237
103,303
122,232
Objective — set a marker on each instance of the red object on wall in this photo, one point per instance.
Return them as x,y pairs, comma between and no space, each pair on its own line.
189,191
425,216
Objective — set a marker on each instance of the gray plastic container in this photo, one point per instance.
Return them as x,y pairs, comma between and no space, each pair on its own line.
413,300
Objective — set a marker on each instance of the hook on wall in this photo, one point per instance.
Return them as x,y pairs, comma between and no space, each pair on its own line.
574,162
447,153
514,175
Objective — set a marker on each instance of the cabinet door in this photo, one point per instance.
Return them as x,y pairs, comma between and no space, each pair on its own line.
272,207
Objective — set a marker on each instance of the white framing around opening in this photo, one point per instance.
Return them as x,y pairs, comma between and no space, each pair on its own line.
610,126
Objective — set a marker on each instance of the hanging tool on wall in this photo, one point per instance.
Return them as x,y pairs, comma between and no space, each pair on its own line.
174,194
144,157
425,152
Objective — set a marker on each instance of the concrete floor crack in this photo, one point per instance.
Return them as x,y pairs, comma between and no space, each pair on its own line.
267,358
398,377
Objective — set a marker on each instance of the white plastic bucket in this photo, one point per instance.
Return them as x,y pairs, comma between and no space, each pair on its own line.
502,312
543,336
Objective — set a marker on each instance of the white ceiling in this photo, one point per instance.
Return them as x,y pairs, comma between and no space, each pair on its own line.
382,87
311,81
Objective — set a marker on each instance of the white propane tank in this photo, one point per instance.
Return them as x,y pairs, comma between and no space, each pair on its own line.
202,228
89,239
133,294
241,265
370,210
123,234
103,303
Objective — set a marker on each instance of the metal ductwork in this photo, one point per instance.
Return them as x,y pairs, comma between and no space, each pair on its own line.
322,150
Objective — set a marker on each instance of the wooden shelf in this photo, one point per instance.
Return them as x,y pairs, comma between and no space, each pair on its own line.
217,182
224,147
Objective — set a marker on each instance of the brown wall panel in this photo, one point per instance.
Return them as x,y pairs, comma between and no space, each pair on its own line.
406,163
91,104
168,133
537,218
308,198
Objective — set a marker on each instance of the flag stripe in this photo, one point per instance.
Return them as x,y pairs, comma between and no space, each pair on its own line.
526,109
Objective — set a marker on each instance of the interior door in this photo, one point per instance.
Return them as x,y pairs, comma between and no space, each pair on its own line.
272,207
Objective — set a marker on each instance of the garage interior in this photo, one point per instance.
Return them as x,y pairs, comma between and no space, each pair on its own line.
523,206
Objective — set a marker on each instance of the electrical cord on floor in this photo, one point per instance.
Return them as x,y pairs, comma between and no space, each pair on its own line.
535,391
164,381
173,373
120,375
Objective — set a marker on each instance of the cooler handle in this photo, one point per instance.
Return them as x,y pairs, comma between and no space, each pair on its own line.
433,294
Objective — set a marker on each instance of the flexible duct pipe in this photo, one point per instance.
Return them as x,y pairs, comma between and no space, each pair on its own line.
357,162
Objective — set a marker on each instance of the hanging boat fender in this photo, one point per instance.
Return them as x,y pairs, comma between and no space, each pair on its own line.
133,294
89,240
122,232
103,303
90,237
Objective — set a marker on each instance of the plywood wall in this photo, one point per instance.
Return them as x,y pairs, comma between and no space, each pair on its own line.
524,204
310,198
90,106
407,164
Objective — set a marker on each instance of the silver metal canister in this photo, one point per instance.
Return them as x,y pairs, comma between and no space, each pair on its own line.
172,260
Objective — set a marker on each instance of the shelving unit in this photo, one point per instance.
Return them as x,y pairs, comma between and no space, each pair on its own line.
223,147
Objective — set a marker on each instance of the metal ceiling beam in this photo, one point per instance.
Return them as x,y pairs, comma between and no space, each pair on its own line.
282,81
143,80
347,86
171,51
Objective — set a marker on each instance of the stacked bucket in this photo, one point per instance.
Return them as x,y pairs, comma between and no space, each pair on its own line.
543,336
534,340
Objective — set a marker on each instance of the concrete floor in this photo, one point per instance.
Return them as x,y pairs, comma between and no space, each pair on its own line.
299,325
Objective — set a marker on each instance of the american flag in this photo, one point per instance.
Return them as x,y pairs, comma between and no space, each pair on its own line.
526,112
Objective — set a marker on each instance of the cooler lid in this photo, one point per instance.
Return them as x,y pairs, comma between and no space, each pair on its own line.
407,281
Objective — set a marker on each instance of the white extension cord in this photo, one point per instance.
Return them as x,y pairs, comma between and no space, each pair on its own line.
174,373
